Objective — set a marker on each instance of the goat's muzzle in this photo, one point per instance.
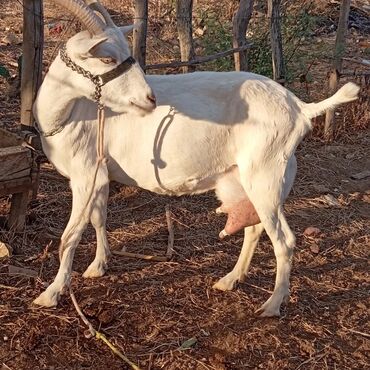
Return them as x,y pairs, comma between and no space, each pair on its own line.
151,97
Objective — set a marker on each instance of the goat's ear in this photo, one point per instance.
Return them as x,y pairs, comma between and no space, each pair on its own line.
129,28
91,47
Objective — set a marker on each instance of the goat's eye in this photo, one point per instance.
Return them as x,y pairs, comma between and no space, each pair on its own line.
108,60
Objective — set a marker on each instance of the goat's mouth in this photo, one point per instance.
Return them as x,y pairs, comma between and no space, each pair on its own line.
149,107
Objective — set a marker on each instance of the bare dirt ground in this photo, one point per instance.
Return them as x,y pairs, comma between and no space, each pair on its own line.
149,309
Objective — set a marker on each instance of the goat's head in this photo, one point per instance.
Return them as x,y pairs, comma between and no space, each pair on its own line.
101,49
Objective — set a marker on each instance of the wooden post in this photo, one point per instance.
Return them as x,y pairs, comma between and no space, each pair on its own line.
33,38
18,208
278,68
139,40
31,75
184,10
337,65
240,24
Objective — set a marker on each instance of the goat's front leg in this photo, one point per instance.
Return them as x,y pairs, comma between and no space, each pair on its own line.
82,194
251,237
98,219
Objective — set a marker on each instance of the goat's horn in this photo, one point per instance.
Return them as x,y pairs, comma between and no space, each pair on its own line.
96,5
84,14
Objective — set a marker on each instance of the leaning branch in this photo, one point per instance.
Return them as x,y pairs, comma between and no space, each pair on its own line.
199,60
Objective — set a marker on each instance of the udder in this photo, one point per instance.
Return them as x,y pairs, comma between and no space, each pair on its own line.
239,216
235,203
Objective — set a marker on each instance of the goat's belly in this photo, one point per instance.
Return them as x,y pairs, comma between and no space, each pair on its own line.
191,185
161,185
171,180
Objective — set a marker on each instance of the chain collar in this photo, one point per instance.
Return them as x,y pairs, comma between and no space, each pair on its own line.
97,80
75,67
51,132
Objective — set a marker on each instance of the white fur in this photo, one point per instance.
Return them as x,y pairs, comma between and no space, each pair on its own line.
229,189
235,131
347,93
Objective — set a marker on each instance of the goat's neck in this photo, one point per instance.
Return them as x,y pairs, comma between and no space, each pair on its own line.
56,97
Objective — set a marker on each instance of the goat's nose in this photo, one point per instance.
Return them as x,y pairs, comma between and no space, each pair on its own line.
151,97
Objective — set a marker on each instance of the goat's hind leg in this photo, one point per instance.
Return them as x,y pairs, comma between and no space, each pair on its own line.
267,194
283,241
251,237
98,219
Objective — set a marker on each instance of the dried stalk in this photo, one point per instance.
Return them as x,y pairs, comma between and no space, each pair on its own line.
171,235
99,335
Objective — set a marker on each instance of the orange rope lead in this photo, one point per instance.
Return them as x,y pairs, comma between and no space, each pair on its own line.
100,138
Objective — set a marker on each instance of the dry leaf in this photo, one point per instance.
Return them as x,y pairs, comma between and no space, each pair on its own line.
314,248
11,39
331,200
312,231
5,250
15,270
361,175
188,343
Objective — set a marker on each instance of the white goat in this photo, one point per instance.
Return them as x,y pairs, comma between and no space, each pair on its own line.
234,132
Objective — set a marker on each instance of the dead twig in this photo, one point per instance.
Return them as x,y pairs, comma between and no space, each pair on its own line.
99,335
141,256
366,335
8,287
313,358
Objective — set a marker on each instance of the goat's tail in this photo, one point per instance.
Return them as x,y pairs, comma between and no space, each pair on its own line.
347,93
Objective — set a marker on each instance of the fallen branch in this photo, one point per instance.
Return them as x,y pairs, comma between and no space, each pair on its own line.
141,256
199,60
363,62
99,335
171,236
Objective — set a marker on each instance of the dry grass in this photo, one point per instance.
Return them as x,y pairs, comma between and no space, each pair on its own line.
149,309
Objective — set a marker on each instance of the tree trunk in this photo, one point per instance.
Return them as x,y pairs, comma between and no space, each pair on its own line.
278,68
337,65
184,9
33,38
240,24
141,24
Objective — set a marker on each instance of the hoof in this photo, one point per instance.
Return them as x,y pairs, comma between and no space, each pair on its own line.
46,299
219,211
266,312
224,284
223,234
271,308
95,270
